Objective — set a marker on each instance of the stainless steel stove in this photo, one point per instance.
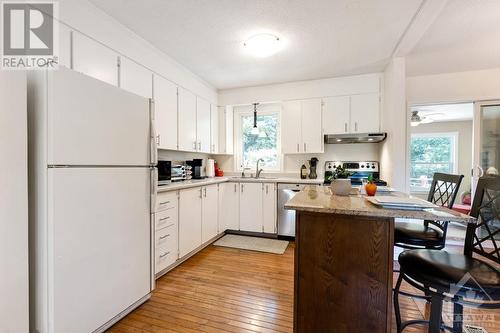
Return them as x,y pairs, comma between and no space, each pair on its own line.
360,170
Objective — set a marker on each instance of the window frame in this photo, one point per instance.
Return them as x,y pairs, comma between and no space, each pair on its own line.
454,153
247,110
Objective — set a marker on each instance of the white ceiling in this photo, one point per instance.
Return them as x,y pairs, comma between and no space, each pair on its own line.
325,38
446,112
463,37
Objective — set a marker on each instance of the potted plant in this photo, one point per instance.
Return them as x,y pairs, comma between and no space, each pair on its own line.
371,187
340,182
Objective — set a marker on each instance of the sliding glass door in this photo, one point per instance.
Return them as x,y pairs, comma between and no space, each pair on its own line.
486,139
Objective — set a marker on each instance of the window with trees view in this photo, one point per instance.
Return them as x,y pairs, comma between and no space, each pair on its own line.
264,145
430,153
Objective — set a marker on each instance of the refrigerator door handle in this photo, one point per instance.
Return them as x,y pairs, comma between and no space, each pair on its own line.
154,187
152,124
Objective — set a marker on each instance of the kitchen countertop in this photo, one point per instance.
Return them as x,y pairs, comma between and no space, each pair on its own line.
319,199
216,180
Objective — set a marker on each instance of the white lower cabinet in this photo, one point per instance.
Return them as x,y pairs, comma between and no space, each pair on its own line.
269,208
251,207
190,213
209,204
229,206
166,230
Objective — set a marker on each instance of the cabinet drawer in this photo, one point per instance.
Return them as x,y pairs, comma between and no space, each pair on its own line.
166,237
166,200
166,218
164,258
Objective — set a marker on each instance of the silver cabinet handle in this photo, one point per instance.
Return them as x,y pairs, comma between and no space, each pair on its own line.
355,126
164,202
158,140
199,145
164,254
194,145
205,192
201,193
298,147
267,189
305,147
345,127
164,236
164,218
242,188
235,185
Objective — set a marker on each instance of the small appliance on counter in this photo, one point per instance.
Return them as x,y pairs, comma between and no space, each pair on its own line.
210,168
164,172
178,173
198,168
359,171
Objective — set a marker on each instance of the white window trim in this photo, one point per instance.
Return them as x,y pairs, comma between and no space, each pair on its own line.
454,135
265,109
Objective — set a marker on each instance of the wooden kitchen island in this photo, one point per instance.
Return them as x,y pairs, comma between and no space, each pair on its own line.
344,260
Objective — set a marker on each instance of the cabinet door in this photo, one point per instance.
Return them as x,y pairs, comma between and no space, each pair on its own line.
203,125
187,120
312,134
214,129
209,223
336,115
365,113
251,207
269,208
291,134
189,220
229,207
94,59
135,78
165,95
225,129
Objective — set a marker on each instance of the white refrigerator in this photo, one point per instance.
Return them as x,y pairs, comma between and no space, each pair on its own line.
91,184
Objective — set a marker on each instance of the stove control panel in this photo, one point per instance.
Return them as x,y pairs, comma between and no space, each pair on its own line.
353,166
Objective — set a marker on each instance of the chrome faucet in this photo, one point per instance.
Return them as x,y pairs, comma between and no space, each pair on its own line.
257,170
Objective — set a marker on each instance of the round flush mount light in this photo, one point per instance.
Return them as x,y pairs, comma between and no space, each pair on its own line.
262,45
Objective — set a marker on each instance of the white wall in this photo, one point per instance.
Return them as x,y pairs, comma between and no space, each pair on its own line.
13,203
82,16
349,85
454,87
393,121
464,149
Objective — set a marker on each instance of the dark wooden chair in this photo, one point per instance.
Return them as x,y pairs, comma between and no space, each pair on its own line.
430,234
468,279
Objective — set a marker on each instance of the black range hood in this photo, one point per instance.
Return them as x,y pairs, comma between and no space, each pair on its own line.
355,138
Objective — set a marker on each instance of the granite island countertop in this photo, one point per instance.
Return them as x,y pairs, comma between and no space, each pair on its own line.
319,199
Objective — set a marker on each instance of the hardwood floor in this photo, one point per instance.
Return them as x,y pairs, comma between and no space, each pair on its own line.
230,290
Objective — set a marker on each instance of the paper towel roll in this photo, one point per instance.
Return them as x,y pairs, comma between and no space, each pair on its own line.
210,169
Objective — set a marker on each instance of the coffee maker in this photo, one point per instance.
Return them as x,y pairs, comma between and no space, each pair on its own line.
197,168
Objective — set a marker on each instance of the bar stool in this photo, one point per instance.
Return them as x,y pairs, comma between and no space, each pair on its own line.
430,234
461,279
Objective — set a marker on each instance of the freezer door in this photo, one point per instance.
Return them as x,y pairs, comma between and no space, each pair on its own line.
91,122
99,243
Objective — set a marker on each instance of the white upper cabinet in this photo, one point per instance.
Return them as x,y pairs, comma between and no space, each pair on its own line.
251,207
209,225
165,96
214,129
94,59
269,208
226,118
291,136
229,206
336,115
301,129
312,135
135,78
365,113
203,125
187,120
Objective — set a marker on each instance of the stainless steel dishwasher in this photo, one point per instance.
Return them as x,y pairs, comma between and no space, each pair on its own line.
286,218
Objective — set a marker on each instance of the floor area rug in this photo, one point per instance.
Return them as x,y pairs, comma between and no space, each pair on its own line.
253,243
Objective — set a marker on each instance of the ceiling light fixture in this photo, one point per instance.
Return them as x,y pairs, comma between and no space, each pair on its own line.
263,45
